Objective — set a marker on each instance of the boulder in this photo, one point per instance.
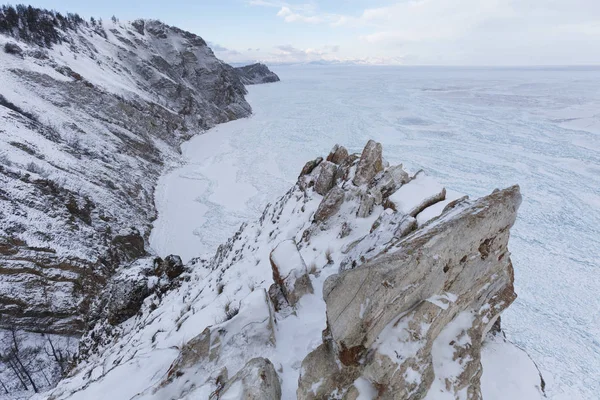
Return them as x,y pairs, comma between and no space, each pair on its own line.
124,296
310,166
390,180
338,154
330,204
258,380
13,48
171,266
290,272
326,178
321,375
370,163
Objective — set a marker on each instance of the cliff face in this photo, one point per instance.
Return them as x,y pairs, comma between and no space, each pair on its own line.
90,114
255,74
362,281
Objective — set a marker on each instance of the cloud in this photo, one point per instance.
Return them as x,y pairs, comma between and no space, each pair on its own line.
289,15
489,32
216,47
298,12
221,51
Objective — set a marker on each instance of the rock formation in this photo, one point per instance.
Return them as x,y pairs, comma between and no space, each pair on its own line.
255,74
385,286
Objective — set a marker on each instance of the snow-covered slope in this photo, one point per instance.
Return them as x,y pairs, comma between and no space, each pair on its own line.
207,330
91,113
87,126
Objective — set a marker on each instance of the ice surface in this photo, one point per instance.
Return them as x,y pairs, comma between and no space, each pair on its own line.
473,130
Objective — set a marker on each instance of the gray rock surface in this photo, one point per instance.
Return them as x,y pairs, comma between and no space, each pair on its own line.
440,288
90,173
370,163
256,74
326,177
258,380
330,204
290,272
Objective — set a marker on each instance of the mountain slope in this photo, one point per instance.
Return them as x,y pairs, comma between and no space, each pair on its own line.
90,115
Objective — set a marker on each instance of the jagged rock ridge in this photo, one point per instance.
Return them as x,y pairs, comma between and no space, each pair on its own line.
255,74
381,284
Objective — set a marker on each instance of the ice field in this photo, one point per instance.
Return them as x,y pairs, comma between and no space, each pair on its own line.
474,130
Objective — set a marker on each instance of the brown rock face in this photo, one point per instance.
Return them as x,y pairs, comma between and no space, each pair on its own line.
428,296
330,204
326,178
310,166
370,163
338,154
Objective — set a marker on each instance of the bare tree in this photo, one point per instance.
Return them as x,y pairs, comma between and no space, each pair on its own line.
8,360
58,356
15,354
4,386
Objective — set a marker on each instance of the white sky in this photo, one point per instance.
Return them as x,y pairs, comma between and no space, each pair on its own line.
416,32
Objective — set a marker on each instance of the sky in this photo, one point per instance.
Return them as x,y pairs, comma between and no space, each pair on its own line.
408,32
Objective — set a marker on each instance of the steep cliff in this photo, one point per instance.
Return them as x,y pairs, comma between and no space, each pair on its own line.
362,281
90,115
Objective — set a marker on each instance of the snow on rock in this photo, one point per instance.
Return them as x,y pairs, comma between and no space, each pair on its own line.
88,121
402,318
91,114
289,272
437,209
418,194
256,73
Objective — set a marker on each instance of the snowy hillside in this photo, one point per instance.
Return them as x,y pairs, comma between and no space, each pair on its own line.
91,113
255,318
87,127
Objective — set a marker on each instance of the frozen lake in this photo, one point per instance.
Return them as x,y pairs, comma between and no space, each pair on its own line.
473,129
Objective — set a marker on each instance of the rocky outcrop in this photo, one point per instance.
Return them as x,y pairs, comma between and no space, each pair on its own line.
289,272
362,292
256,74
258,380
423,303
76,188
326,178
370,163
